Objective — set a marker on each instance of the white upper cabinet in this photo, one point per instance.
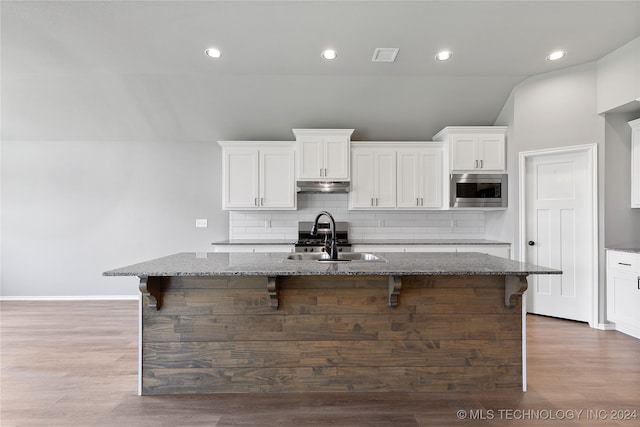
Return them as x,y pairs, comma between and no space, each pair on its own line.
373,182
396,175
258,175
635,163
323,154
419,177
475,148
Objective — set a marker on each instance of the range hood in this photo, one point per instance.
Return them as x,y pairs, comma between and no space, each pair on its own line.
323,186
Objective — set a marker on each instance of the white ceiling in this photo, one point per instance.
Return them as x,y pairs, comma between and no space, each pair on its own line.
155,81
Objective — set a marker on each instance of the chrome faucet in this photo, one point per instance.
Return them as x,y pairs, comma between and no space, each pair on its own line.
332,248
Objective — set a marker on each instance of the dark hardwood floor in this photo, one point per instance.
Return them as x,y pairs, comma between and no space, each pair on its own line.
74,364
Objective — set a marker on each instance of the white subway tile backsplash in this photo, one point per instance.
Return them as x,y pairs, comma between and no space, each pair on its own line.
260,225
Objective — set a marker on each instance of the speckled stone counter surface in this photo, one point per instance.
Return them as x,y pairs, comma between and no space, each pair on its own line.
630,250
453,242
277,264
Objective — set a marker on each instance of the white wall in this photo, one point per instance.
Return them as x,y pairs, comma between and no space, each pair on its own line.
555,109
73,209
560,109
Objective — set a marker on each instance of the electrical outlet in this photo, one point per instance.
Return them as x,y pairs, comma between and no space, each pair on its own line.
201,223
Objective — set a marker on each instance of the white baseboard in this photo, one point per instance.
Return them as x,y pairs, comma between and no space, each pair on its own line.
606,326
69,298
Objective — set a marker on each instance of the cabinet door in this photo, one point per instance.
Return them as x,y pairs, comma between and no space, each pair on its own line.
420,178
240,179
431,178
623,301
408,193
464,154
277,180
384,176
336,158
310,157
362,184
635,166
491,152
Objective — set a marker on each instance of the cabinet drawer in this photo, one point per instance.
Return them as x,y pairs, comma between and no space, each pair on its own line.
623,261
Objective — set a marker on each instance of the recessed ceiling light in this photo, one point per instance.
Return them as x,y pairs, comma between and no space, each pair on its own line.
329,54
213,53
554,56
443,55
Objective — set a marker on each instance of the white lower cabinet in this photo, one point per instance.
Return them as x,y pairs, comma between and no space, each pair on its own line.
623,291
377,248
502,251
258,248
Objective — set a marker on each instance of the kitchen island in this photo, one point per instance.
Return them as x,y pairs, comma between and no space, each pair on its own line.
260,322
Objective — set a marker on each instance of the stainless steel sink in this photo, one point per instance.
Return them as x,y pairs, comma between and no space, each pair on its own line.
342,257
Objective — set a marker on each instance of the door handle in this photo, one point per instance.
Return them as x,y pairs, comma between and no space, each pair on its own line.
531,243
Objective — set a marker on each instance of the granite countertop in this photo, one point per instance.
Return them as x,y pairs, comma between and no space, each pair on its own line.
456,242
630,250
276,264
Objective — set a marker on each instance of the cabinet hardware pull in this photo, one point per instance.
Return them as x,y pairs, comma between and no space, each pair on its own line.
372,201
376,201
481,164
639,283
421,201
320,171
255,202
417,202
476,164
325,171
624,263
262,201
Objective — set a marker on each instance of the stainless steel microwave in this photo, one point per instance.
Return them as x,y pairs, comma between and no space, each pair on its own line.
470,190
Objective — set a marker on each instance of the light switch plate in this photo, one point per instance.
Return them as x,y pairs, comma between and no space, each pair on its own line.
201,223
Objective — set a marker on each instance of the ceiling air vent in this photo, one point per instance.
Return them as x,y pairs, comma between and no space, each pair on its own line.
385,54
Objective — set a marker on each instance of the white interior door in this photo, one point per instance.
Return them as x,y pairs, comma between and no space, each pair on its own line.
559,233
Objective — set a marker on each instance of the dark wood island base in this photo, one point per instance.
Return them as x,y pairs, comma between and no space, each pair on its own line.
221,334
